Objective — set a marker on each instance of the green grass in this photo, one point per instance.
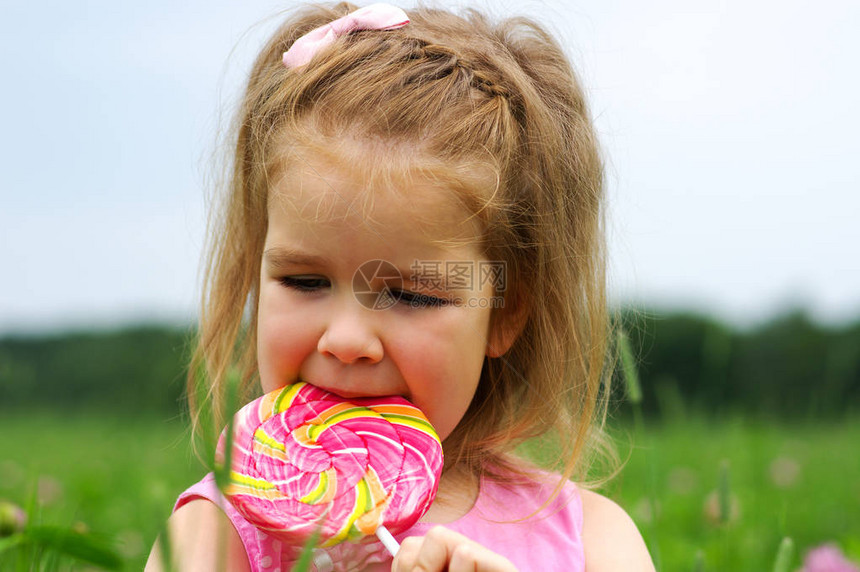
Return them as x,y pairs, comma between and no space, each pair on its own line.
120,478
799,481
95,473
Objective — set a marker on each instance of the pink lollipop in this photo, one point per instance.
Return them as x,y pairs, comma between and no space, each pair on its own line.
304,459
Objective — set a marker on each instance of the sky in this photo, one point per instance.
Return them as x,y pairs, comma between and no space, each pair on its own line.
730,130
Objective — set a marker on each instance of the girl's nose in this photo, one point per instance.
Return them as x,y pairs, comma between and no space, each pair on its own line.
350,338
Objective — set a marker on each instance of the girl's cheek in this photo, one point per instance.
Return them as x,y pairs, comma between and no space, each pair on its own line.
273,357
284,344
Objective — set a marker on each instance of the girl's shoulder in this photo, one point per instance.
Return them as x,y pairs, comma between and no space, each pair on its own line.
200,537
610,538
205,527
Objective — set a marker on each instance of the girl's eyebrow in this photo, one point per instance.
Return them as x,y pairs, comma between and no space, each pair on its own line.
279,256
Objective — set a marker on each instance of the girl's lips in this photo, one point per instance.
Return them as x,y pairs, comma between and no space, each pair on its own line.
345,393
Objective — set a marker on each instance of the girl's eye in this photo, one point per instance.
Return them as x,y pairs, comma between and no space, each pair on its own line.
416,300
305,283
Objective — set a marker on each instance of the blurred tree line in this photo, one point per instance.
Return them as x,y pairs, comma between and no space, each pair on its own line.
789,367
134,369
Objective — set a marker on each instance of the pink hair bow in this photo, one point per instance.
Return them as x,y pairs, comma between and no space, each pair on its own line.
374,17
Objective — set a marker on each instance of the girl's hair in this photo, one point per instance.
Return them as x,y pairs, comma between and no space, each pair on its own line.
480,97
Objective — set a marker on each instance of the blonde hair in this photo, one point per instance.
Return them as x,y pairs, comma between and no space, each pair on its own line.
472,93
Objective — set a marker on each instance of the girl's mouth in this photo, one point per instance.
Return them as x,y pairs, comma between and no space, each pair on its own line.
344,393
340,392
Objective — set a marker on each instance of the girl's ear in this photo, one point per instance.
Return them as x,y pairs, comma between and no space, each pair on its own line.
507,327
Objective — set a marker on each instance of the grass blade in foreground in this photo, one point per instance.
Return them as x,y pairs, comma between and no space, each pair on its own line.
85,548
303,564
630,374
628,368
222,472
699,563
724,492
166,549
784,556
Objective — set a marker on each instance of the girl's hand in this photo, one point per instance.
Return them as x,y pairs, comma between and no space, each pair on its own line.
442,549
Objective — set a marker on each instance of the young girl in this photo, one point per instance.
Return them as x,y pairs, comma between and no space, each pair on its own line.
415,209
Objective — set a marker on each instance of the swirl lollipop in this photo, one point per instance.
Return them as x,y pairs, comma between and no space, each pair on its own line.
304,459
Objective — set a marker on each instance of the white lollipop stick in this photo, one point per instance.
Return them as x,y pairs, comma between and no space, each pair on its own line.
387,540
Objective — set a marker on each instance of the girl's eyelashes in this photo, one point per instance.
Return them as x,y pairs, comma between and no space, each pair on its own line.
311,284
416,300
305,283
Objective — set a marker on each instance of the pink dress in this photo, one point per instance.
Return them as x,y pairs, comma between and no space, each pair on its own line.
550,540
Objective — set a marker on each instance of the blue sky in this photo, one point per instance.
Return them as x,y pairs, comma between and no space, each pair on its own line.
731,130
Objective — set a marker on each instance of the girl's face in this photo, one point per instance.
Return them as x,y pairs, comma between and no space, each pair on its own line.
373,292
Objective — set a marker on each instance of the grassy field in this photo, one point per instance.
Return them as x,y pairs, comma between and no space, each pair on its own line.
104,475
800,481
120,478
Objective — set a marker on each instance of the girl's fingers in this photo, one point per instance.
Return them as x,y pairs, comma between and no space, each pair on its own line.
405,558
442,549
437,548
473,557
